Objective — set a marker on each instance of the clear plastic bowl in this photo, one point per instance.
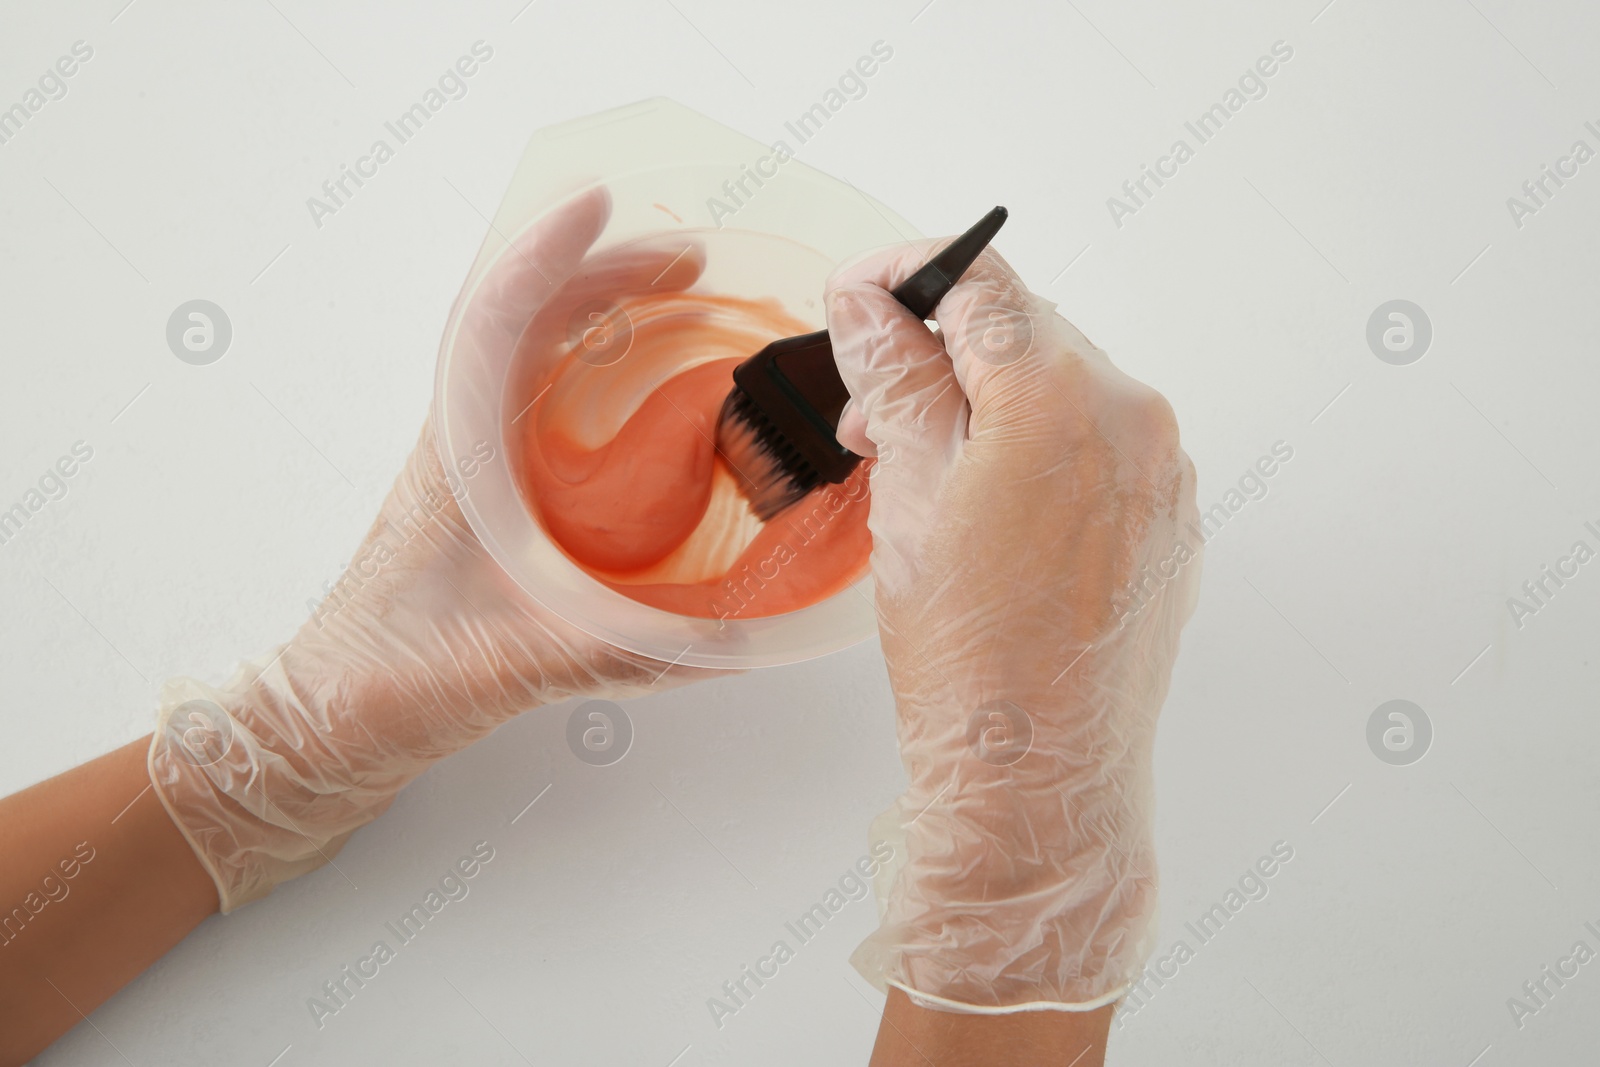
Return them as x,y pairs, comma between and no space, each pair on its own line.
669,171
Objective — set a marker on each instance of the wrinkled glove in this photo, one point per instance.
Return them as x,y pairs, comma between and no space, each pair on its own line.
423,647
1030,511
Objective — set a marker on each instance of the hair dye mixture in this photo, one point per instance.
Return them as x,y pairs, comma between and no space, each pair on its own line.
619,466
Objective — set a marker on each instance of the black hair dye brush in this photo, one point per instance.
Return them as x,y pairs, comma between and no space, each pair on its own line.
778,426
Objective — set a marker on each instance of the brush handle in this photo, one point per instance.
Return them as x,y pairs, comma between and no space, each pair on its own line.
922,292
807,374
795,384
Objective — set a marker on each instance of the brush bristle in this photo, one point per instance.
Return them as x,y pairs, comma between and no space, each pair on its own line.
772,475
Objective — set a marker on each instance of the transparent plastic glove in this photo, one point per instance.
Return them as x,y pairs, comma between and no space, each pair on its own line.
1024,487
424,646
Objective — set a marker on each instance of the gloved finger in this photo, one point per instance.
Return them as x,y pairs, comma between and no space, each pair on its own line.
1188,518
886,267
660,263
464,609
603,278
995,329
905,389
852,430
901,383
539,260
997,333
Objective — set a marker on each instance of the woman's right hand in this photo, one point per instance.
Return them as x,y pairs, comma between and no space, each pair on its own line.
1030,518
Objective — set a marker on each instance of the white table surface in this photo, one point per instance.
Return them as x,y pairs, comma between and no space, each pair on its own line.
1418,500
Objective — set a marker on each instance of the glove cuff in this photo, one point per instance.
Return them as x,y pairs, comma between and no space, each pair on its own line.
1072,935
237,770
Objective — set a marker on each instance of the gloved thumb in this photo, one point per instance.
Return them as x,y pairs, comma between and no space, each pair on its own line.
904,395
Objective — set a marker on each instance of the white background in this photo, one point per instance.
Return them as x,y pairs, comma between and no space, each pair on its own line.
220,498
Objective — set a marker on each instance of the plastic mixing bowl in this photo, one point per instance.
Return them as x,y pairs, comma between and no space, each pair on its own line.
772,228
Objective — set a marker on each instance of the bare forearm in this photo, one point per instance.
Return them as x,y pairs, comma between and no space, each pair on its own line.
910,1036
96,886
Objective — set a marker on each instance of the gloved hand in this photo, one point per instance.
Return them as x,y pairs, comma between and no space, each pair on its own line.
424,646
1033,569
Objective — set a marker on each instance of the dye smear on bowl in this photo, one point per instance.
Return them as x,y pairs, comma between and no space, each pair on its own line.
620,469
